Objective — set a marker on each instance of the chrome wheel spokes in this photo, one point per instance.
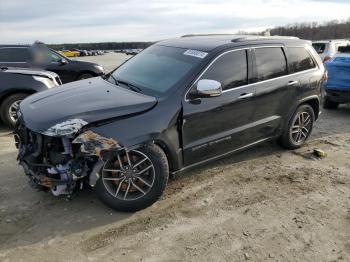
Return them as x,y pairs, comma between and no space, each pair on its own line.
129,176
301,127
13,110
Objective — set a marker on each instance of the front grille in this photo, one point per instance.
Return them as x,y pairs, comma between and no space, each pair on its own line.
37,148
58,80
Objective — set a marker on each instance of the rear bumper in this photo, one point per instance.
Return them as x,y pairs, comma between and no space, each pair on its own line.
338,96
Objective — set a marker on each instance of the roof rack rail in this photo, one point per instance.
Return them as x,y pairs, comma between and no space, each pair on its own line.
257,37
191,35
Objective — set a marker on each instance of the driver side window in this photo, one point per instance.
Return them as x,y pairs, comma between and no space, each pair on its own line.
55,58
44,56
230,69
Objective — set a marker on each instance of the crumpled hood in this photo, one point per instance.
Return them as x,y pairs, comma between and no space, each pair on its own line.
86,101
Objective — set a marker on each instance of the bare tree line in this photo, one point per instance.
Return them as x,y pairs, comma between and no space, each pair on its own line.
334,29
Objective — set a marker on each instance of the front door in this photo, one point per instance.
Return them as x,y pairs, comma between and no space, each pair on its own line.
216,125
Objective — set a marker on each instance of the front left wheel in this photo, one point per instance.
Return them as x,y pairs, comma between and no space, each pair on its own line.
133,180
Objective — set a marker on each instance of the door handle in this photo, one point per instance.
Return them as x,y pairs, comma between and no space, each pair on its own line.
293,83
245,95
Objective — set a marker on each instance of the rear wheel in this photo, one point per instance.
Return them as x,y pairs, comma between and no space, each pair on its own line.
327,104
299,128
134,179
8,109
84,76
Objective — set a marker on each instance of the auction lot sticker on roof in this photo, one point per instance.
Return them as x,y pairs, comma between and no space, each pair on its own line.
196,53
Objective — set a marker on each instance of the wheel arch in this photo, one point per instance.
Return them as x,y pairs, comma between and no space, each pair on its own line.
85,72
4,96
169,155
314,102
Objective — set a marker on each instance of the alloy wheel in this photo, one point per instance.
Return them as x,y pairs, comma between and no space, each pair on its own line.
13,110
300,130
129,176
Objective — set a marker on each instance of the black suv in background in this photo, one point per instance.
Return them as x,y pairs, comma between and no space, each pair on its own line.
177,104
39,56
18,83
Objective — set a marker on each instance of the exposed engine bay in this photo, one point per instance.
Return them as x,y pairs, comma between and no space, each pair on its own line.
61,164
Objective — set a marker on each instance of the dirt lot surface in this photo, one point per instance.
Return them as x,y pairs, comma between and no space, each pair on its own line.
265,204
109,61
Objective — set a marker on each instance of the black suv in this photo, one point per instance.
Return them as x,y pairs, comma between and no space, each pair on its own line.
24,56
18,83
177,104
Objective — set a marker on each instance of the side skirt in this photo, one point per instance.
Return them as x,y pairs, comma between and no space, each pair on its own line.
186,168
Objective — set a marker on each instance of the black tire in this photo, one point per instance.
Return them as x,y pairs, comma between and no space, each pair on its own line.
327,104
85,76
158,159
5,108
289,138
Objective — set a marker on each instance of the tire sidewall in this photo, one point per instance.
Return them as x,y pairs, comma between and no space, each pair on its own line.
87,76
4,109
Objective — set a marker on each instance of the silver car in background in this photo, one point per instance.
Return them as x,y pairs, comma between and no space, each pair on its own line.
328,48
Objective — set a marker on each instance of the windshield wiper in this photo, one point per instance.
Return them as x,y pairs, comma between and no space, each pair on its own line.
128,85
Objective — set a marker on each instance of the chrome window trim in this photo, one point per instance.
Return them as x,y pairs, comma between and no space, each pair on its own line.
8,47
268,80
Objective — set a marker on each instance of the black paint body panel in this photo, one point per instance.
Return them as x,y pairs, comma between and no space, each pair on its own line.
189,131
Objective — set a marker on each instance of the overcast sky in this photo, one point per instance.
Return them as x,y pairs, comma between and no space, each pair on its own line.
24,21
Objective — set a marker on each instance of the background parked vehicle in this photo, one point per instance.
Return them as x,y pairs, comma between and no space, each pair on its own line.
41,57
338,84
328,48
68,53
83,53
18,83
132,51
165,118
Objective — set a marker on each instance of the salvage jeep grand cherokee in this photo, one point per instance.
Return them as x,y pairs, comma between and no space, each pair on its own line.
177,104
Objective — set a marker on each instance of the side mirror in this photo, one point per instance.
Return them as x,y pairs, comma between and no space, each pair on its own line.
63,61
208,88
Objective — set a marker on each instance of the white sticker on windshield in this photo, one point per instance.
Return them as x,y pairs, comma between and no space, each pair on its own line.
196,53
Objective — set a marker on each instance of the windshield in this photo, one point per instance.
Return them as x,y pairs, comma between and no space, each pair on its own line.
319,47
156,69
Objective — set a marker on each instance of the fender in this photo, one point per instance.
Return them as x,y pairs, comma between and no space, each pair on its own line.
313,100
130,134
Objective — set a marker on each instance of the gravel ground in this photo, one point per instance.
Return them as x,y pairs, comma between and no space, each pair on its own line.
264,204
109,61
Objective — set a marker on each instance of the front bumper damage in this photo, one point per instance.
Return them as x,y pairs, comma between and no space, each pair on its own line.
61,160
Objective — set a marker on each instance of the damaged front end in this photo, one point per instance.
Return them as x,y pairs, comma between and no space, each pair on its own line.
63,157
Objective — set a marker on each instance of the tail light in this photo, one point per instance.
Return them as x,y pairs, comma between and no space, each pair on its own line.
327,58
325,76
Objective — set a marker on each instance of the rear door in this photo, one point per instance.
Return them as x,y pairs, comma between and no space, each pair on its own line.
216,125
302,68
273,93
14,57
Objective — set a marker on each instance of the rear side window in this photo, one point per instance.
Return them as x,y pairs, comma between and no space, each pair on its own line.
231,70
14,54
299,59
270,63
344,49
319,47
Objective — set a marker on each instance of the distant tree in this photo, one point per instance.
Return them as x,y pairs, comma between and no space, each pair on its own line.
314,31
102,46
